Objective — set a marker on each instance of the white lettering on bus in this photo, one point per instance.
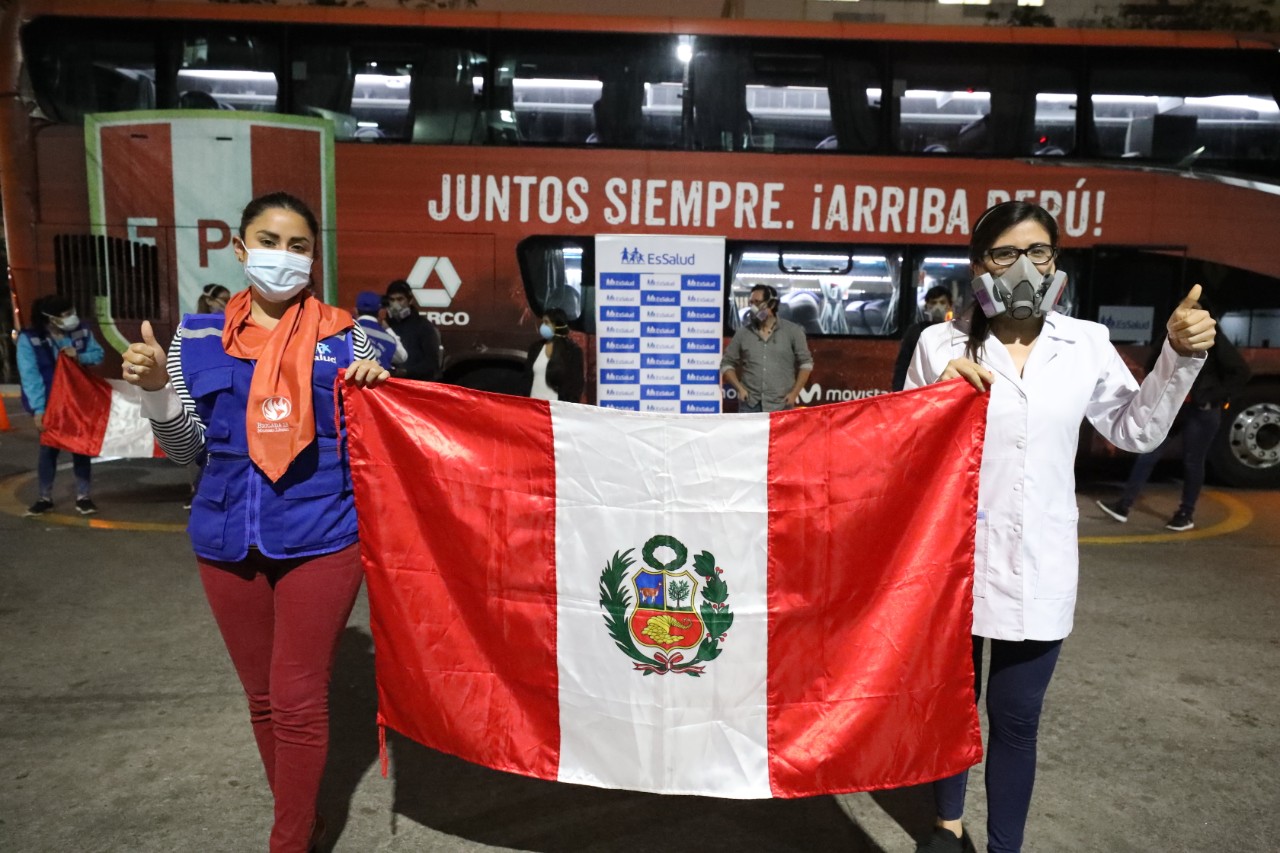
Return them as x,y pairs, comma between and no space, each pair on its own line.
449,318
1082,210
664,203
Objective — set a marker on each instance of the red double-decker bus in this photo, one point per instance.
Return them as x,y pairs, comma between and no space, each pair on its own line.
479,154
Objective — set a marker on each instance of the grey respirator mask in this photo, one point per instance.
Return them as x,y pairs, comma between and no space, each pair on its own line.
1021,290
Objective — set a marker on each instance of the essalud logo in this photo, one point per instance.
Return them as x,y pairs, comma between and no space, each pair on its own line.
660,617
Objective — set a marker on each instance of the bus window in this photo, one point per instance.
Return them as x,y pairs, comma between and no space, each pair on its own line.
225,70
429,93
781,96
1181,110
623,92
1133,291
80,68
938,267
1015,106
825,292
1246,304
553,269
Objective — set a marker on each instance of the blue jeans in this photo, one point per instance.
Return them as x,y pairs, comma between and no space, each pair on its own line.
1199,426
47,466
1016,684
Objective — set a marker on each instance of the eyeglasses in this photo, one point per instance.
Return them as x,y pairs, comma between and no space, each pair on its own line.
1040,253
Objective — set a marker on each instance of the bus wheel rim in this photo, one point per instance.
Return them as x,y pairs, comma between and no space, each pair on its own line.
1255,436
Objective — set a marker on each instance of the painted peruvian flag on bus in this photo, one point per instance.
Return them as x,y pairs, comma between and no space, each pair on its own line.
178,180
737,606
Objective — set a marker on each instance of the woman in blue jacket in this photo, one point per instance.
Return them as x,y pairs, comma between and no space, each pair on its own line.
55,328
273,521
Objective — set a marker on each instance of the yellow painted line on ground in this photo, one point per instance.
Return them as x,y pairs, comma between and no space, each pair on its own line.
10,505
1239,516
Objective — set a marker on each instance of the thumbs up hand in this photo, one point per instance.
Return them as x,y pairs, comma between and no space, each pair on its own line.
144,363
1191,329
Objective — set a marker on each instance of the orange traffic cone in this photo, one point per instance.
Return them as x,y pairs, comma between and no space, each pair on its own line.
4,417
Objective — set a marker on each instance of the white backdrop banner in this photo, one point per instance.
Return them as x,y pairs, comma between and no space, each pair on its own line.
659,322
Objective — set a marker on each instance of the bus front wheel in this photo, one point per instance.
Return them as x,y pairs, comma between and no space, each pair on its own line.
1246,451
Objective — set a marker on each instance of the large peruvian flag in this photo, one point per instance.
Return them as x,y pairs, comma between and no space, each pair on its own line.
94,416
731,605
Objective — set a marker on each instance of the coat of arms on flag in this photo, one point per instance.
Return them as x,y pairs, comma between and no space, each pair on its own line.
730,605
662,611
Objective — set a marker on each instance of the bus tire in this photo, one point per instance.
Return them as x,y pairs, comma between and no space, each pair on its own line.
502,377
1246,451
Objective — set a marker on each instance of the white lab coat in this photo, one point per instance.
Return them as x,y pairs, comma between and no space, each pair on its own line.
1026,557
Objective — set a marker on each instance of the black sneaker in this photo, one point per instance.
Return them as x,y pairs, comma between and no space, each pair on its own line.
1116,510
945,841
1181,521
84,506
40,507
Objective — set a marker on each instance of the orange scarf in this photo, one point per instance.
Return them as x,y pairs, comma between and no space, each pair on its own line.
278,419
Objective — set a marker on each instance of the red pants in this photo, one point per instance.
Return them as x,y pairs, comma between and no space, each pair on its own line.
281,620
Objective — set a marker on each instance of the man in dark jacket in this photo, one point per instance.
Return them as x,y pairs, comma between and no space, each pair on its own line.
937,307
1224,374
417,333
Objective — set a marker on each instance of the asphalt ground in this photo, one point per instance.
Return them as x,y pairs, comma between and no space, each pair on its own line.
123,728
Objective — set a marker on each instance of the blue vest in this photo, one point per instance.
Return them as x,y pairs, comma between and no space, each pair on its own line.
383,343
47,355
308,511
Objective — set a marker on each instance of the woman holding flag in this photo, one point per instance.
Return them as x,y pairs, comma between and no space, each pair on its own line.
1046,372
273,522
55,329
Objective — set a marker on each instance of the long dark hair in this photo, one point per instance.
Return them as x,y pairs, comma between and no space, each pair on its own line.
993,222
283,200
559,321
50,305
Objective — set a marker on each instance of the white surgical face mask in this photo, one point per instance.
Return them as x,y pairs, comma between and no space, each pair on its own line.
277,275
69,323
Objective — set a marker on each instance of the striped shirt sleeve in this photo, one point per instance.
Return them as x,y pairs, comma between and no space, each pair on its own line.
181,437
361,347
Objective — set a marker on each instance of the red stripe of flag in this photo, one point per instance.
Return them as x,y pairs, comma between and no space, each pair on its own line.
856,651
498,691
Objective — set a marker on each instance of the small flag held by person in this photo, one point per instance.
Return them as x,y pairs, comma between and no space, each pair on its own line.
94,416
767,605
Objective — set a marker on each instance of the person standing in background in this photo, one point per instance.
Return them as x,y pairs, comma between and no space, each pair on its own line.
419,336
553,367
55,328
390,350
1224,375
937,307
771,354
213,299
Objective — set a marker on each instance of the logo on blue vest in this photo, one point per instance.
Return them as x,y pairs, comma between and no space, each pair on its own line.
323,353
